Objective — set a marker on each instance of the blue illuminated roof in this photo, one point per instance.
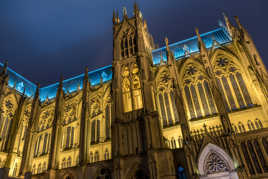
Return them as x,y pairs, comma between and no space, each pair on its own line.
70,85
20,83
191,45
104,74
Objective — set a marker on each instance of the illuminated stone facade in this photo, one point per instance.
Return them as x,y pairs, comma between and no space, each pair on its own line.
197,108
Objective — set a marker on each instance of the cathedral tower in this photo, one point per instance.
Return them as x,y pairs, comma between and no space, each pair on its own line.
138,149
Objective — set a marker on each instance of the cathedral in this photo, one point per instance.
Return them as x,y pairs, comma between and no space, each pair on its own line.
195,109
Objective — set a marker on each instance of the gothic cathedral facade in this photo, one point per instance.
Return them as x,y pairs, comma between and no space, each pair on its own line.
197,108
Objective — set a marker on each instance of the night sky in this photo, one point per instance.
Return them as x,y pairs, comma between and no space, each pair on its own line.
42,39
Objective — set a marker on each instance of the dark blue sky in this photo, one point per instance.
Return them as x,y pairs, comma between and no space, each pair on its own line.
42,39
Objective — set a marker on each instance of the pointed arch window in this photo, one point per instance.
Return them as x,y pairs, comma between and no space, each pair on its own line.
96,157
69,162
251,125
241,127
162,109
69,143
167,103
108,122
106,155
95,131
128,45
91,157
233,88
258,123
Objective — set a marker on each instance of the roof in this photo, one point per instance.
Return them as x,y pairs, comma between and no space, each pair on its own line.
104,74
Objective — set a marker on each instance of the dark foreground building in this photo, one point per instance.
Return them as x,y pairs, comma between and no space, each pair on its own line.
197,108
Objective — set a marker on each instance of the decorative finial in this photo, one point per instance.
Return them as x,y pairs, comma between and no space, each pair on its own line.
238,22
114,18
166,41
124,11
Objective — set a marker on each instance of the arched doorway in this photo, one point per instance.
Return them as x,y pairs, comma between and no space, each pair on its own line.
214,163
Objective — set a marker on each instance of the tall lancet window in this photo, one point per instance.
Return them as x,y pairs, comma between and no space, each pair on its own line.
232,85
197,93
128,44
95,131
108,122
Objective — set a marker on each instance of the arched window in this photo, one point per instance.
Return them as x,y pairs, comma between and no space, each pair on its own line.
241,127
96,156
232,85
45,144
15,170
173,143
69,162
44,167
258,123
95,131
176,115
91,157
63,163
108,122
33,169
39,169
162,110
128,45
106,155
251,125
168,106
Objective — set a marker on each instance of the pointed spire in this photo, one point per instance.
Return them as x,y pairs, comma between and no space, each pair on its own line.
86,74
238,23
114,17
228,24
136,7
4,71
201,44
124,12
117,17
166,42
61,82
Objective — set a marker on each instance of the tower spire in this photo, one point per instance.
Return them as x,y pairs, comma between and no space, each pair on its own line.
201,45
124,12
228,24
114,17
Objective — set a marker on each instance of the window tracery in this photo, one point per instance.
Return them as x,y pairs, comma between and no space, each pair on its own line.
166,100
232,85
95,131
7,114
215,164
198,94
128,43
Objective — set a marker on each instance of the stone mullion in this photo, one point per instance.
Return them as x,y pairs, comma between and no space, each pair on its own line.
171,107
232,91
224,93
206,96
258,159
200,100
241,91
243,159
193,104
